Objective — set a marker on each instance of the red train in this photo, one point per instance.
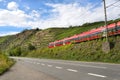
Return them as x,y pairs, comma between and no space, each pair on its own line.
113,29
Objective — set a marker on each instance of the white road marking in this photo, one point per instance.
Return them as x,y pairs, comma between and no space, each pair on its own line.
49,65
42,64
97,75
72,70
83,65
75,64
58,67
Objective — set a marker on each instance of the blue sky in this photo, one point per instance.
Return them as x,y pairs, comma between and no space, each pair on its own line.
17,15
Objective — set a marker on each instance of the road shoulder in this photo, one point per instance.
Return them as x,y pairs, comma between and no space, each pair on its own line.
22,72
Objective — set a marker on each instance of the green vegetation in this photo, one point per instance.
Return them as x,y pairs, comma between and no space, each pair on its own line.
31,47
5,63
2,39
85,51
15,51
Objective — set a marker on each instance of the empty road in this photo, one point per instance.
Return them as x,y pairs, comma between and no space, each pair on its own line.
65,70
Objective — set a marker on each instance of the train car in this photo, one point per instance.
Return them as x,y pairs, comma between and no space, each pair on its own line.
89,35
81,37
118,24
66,41
51,45
113,29
118,27
58,43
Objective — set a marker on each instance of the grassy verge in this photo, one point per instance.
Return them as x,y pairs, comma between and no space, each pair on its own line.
5,63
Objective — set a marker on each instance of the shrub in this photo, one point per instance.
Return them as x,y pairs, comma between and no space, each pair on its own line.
15,51
31,47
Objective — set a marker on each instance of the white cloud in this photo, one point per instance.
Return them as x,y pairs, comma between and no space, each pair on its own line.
7,33
74,14
13,18
16,17
12,6
61,15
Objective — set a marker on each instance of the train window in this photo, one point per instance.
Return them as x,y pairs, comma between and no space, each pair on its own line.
118,28
76,38
96,33
56,43
67,40
111,29
82,37
61,42
51,44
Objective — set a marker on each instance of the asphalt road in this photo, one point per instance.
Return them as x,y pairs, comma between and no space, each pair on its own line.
73,70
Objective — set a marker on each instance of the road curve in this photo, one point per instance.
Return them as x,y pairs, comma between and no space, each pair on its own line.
69,70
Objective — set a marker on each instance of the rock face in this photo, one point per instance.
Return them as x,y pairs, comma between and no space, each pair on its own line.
106,47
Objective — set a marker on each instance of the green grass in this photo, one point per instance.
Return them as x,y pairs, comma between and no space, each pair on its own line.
5,63
2,39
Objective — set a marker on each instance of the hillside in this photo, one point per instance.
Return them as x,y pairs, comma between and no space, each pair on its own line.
41,38
33,43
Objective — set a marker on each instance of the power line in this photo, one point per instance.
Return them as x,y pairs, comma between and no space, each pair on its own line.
84,14
116,5
112,4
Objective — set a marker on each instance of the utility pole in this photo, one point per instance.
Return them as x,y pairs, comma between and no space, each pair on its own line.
106,45
105,13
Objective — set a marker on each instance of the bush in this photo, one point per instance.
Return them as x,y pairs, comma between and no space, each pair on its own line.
31,47
15,51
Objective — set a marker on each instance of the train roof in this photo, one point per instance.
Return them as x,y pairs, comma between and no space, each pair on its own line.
91,31
51,42
118,23
111,25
